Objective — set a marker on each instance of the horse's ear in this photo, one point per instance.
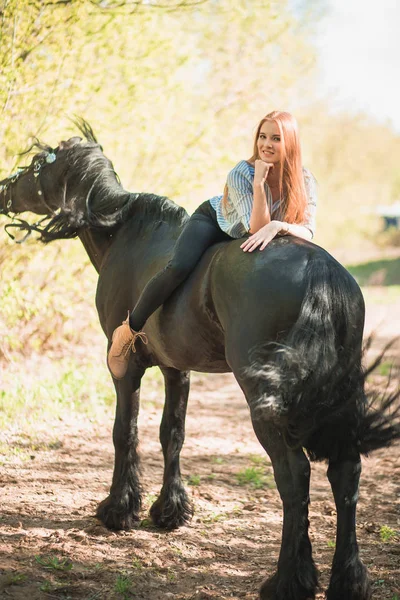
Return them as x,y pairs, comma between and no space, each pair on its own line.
65,145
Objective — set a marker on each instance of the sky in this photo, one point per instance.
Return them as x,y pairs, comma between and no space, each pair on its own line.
359,56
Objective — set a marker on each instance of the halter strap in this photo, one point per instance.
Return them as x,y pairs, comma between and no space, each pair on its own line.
23,226
36,165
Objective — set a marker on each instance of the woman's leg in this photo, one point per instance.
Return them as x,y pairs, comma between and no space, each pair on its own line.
199,234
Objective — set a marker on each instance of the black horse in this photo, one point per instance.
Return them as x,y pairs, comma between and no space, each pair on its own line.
288,322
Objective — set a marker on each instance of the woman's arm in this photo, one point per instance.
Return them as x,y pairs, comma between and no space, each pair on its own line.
300,231
260,214
263,236
267,233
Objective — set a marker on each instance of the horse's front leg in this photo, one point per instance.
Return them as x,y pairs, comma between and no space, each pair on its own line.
172,508
296,575
349,580
120,510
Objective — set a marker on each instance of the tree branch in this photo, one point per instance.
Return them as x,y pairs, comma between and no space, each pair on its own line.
105,6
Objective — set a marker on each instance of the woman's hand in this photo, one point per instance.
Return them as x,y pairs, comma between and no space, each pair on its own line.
261,170
264,235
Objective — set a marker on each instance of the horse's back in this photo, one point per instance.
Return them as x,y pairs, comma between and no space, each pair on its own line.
231,302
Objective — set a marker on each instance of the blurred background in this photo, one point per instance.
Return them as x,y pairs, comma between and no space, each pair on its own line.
174,91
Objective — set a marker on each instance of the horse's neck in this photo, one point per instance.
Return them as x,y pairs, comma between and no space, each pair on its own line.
96,245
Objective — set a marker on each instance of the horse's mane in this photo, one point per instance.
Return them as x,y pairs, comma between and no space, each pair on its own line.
106,204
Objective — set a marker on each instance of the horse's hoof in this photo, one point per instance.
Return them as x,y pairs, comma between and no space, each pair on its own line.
114,514
171,514
273,589
351,583
268,588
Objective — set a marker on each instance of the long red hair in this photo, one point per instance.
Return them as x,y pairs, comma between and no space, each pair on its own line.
291,180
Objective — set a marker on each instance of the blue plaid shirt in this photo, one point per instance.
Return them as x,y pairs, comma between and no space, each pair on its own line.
234,219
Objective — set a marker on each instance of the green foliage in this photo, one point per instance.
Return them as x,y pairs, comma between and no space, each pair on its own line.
53,563
217,460
215,517
137,564
174,96
47,587
256,459
377,272
353,177
385,368
123,585
68,389
161,88
161,75
193,480
387,534
39,297
14,579
255,477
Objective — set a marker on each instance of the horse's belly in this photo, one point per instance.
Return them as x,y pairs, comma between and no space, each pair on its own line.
186,343
185,331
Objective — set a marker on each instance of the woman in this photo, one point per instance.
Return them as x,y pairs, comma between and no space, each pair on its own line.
268,195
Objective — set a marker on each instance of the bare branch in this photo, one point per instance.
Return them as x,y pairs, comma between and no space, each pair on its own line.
132,6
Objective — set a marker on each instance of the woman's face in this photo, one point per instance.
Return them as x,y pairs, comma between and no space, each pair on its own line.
269,143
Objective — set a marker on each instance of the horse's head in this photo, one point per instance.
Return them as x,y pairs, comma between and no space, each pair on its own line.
67,184
49,182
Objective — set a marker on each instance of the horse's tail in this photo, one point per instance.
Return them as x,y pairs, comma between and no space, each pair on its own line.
314,383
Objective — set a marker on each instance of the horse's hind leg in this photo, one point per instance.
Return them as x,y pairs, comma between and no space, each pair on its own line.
296,576
349,580
172,508
120,510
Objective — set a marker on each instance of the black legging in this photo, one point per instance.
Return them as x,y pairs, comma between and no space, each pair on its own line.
200,232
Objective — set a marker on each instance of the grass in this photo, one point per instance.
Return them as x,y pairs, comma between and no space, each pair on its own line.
46,587
215,517
254,477
193,480
53,563
384,368
149,499
69,389
137,564
387,534
377,272
217,460
14,579
56,391
123,585
147,523
257,459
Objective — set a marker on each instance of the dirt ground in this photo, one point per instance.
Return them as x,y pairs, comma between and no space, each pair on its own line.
51,545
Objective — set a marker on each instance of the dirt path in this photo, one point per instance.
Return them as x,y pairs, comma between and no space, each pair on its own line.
51,546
